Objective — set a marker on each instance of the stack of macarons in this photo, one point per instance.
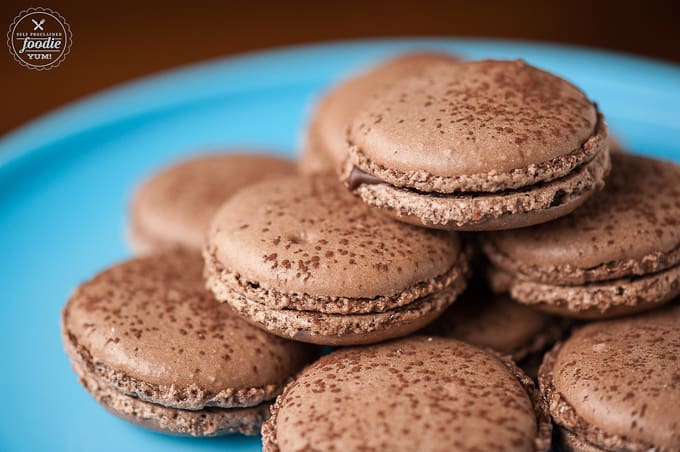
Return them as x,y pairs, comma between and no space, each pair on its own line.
247,264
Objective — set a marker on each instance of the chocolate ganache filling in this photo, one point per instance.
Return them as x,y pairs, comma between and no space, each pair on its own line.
358,177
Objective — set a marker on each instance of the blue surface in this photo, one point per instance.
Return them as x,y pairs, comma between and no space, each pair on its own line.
65,181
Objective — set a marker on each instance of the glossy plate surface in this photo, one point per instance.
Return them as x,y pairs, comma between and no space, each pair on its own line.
65,181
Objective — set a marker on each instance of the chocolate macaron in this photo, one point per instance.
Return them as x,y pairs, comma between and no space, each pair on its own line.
153,346
485,145
173,208
418,393
302,258
485,319
618,254
325,144
615,385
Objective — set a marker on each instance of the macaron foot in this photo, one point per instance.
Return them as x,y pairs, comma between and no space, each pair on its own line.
596,300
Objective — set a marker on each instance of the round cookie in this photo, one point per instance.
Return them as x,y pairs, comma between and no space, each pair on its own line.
173,208
154,347
326,140
483,145
615,385
304,259
209,421
618,254
497,322
418,393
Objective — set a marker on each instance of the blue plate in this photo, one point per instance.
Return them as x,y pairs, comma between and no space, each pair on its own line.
65,182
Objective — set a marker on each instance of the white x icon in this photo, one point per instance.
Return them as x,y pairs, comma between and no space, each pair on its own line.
38,25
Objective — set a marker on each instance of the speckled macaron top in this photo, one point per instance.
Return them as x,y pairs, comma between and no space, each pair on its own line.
632,227
417,393
307,235
328,127
496,321
617,383
173,207
475,126
149,328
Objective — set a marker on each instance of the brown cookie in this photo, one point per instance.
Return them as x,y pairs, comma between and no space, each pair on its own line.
618,254
304,259
483,145
173,208
418,393
153,346
615,385
326,140
485,319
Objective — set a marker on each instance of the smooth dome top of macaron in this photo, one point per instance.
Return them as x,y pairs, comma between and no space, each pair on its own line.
494,321
417,393
473,118
337,108
308,235
174,207
623,378
152,320
631,227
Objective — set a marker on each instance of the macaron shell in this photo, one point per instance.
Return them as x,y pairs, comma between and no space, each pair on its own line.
225,284
299,233
615,383
350,329
595,300
327,133
632,227
467,118
204,422
411,394
149,328
497,322
495,211
173,208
